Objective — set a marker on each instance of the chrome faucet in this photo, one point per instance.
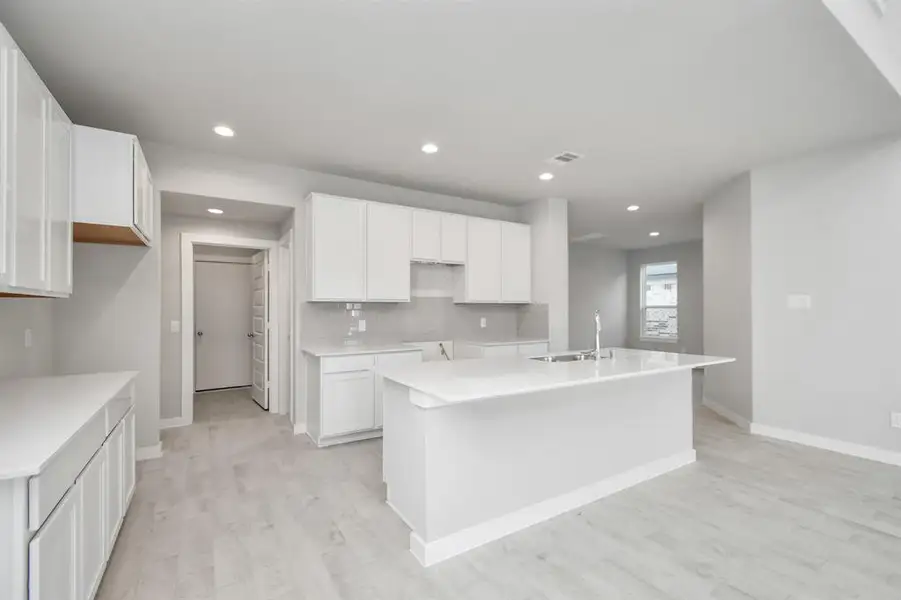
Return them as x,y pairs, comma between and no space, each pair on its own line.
597,334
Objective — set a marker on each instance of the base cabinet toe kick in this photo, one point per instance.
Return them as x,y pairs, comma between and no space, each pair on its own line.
59,523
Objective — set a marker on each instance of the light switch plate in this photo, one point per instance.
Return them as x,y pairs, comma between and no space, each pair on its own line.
174,326
29,341
483,322
896,420
362,325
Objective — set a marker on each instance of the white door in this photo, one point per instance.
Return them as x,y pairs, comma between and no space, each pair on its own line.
114,507
382,361
285,335
388,232
337,243
516,262
426,236
53,553
348,402
222,317
59,200
91,485
483,260
453,238
260,329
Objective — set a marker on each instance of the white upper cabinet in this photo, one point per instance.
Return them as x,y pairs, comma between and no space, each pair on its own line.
112,189
453,238
388,232
427,236
481,279
336,252
516,263
35,180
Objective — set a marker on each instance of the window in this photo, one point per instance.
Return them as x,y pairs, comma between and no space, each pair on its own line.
660,302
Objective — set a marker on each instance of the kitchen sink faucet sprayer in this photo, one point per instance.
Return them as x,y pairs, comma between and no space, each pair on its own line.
597,334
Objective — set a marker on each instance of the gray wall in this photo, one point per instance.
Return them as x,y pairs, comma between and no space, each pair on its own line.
170,244
17,315
689,255
827,226
727,295
598,279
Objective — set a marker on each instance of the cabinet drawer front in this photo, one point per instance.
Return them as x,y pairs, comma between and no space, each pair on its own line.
348,403
343,364
500,351
46,489
533,349
53,554
117,409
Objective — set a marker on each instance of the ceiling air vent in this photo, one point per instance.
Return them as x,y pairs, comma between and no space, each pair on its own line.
564,158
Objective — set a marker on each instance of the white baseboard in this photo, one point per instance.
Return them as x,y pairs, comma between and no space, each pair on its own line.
149,452
805,439
300,428
457,543
174,422
727,413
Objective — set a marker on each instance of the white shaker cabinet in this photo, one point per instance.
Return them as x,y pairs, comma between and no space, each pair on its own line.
480,281
336,248
53,553
516,263
388,231
426,236
453,238
115,498
112,188
348,403
93,542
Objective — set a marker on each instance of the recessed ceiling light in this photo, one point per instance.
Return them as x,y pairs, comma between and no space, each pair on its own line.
224,130
632,208
215,211
654,233
429,148
546,176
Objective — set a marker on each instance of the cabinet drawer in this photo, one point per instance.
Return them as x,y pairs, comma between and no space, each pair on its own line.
500,351
117,409
46,489
533,349
344,364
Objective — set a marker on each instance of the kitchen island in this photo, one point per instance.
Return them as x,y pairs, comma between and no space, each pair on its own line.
477,449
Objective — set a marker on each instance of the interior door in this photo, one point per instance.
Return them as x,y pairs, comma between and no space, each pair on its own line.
260,329
222,317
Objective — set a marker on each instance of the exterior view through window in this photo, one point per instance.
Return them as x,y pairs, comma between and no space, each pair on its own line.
660,301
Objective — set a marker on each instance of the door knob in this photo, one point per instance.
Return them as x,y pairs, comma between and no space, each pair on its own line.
199,334
250,335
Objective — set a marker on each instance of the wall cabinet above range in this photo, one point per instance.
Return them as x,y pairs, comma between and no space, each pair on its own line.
113,190
439,237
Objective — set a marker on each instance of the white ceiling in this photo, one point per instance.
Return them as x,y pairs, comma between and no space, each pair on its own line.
665,99
190,205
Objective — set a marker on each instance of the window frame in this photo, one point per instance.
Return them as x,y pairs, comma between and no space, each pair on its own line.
643,308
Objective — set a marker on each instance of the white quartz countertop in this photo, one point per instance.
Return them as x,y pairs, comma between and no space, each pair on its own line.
451,382
338,349
508,342
39,415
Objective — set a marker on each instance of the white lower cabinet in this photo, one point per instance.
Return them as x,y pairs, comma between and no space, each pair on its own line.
129,459
464,350
53,554
91,485
348,402
114,491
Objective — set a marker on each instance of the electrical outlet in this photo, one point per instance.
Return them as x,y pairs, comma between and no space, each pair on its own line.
29,342
483,322
896,420
361,327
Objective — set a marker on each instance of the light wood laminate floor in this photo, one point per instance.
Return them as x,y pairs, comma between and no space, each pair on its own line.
240,509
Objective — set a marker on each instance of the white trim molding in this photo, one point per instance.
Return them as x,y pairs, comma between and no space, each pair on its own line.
435,551
174,422
814,441
727,413
149,452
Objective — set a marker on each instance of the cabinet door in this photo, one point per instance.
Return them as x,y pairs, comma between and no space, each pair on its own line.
114,495
59,200
483,260
426,236
337,252
7,152
142,200
347,402
453,238
388,231
53,553
128,460
91,485
516,257
537,349
500,351
395,359
28,115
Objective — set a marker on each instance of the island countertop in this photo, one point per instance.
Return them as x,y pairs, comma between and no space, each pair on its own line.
451,382
40,414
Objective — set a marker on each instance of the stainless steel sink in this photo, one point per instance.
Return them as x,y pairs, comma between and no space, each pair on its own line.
576,357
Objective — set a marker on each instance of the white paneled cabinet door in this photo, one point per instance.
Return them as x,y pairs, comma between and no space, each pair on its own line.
53,553
388,232
427,236
143,192
128,460
483,260
91,485
382,361
338,245
59,200
114,490
453,238
516,258
28,109
348,402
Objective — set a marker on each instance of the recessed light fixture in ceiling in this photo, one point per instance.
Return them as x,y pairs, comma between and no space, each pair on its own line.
215,211
224,131
430,148
632,208
654,234
546,176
